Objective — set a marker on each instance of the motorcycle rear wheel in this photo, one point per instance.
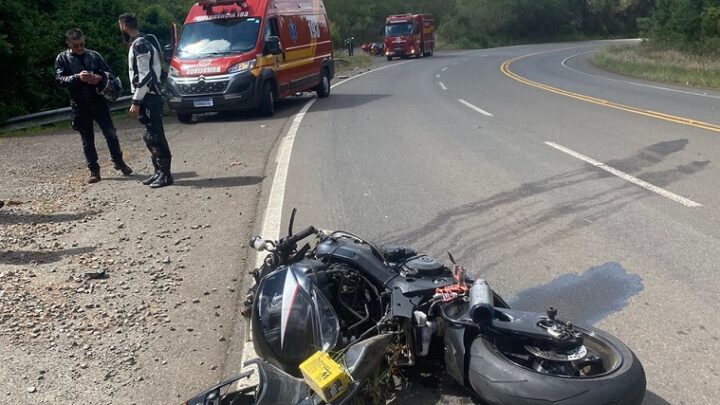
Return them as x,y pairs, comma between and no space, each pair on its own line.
499,380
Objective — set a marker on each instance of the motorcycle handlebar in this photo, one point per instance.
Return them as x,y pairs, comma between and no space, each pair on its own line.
301,235
260,244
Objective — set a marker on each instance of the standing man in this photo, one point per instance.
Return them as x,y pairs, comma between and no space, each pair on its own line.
147,102
80,70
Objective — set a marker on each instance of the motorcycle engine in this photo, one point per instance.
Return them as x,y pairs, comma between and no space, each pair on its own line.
422,266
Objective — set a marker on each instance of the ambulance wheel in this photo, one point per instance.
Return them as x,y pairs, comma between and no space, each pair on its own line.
185,118
323,89
267,100
389,58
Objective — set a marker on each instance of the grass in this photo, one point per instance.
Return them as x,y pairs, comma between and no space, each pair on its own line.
51,128
358,60
655,63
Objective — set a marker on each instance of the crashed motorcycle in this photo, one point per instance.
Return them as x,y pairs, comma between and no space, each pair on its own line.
380,311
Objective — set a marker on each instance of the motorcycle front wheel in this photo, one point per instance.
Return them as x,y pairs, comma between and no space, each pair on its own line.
507,370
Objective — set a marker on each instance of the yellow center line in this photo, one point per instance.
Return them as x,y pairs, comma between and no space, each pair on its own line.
505,69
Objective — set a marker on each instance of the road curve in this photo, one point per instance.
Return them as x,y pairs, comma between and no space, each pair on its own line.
552,179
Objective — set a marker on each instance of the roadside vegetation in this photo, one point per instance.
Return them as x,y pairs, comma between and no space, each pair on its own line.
682,45
652,62
359,60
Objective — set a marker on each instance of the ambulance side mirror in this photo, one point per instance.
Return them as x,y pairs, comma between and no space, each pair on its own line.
272,46
169,49
168,52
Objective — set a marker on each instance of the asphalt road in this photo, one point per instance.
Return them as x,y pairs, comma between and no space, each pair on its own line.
456,153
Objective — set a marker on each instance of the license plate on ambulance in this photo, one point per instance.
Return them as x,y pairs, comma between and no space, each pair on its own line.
205,102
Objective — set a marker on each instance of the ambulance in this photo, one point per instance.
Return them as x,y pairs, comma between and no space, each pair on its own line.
239,55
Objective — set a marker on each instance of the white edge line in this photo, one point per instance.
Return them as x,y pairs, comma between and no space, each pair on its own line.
476,108
273,213
444,69
364,73
442,85
655,189
650,86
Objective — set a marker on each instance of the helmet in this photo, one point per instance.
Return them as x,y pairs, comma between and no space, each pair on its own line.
109,87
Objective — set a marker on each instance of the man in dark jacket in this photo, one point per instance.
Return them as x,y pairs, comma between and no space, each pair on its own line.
144,62
80,70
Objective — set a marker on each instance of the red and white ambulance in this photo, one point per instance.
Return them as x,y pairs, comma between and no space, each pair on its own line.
235,55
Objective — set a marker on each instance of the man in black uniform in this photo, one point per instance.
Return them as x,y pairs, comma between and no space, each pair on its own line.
147,102
80,70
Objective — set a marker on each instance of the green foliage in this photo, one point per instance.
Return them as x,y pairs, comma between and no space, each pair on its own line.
365,20
497,22
32,34
689,25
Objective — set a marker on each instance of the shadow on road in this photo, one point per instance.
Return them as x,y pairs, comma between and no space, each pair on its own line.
9,217
234,181
283,108
342,101
184,175
132,177
19,257
654,399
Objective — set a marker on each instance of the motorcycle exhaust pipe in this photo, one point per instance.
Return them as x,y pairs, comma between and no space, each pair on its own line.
482,309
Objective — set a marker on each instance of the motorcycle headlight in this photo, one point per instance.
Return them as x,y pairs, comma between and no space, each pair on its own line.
174,72
242,66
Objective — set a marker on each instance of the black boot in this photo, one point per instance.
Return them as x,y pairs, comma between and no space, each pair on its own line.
155,175
125,169
165,178
94,175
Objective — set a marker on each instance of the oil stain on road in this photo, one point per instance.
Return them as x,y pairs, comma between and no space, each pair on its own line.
588,297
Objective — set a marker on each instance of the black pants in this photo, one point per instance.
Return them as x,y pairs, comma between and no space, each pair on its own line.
84,113
151,116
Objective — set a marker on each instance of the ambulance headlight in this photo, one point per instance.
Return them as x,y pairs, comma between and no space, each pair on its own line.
242,66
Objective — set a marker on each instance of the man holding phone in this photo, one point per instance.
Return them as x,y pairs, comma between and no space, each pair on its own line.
80,70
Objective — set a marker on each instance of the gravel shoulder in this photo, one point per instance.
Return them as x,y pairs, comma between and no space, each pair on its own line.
114,293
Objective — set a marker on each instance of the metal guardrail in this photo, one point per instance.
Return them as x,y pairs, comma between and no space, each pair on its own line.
53,116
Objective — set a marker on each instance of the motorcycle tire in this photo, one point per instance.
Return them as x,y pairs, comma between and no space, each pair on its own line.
499,381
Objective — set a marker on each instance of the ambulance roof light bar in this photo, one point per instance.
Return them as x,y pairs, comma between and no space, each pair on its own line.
208,4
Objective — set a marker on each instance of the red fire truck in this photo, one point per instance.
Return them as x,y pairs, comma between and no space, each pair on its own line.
246,54
409,35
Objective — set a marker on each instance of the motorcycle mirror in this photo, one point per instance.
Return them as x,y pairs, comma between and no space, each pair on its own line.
258,244
292,221
452,259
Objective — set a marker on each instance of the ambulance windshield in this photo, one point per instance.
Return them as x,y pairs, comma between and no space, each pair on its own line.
217,37
397,30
